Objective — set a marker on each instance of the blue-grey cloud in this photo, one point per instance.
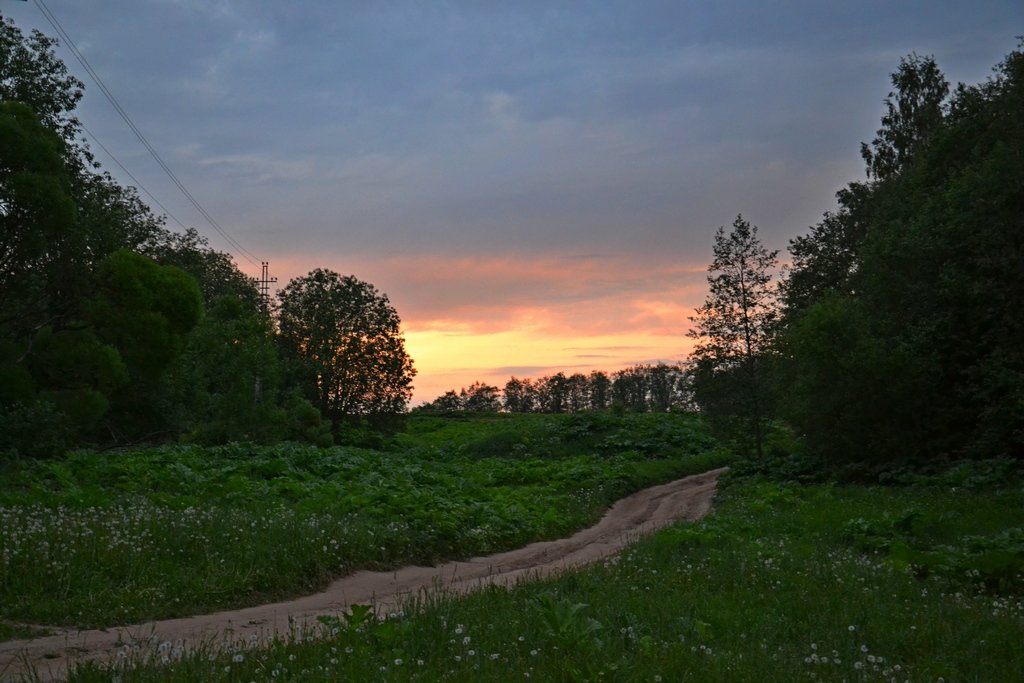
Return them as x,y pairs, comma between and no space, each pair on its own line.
370,128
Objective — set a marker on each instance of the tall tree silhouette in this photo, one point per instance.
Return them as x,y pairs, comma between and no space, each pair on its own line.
733,328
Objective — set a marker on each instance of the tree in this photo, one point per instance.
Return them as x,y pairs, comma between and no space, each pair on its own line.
823,261
519,396
577,392
734,327
86,322
914,110
145,311
663,387
345,338
918,356
600,390
226,384
629,389
552,393
450,402
38,234
480,398
31,73
214,270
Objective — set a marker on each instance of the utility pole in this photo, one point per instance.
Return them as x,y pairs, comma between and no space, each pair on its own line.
264,283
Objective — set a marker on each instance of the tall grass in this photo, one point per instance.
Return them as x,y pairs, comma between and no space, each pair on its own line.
100,539
775,586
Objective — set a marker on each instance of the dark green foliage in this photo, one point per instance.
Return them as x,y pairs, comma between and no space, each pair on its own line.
145,311
903,319
31,73
227,383
76,372
913,113
823,261
854,395
137,534
649,436
215,272
913,540
38,237
87,327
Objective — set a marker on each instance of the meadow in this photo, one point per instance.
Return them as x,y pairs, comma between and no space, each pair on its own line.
783,582
97,539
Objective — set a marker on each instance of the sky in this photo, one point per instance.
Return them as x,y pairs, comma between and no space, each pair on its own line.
534,185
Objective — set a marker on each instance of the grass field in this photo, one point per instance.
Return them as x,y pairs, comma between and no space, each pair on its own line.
781,583
100,539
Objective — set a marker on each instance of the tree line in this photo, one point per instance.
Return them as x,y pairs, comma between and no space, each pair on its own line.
895,334
640,388
115,329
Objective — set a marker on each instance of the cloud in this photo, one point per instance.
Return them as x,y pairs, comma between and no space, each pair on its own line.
261,168
209,9
550,294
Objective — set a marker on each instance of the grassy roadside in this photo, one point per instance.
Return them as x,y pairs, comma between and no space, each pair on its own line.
100,539
781,583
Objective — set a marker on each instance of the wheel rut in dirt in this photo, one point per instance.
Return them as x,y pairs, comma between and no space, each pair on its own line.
645,511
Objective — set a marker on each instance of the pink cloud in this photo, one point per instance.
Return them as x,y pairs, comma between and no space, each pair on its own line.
474,318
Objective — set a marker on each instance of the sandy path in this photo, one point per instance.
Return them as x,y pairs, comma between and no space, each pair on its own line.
640,513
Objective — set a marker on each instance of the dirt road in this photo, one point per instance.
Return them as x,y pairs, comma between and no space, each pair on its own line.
640,513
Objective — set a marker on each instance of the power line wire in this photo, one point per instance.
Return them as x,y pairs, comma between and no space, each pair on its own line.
70,44
137,182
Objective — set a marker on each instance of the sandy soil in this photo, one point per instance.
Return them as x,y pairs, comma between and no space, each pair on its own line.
640,513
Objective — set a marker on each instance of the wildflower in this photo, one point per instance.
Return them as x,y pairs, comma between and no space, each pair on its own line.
398,661
238,658
851,628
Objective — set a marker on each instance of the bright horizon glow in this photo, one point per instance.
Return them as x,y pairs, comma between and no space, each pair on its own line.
491,318
448,360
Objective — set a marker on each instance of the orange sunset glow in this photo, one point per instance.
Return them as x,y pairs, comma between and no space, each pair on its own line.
489,318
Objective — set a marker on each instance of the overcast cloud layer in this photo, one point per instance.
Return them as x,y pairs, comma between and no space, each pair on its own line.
545,171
